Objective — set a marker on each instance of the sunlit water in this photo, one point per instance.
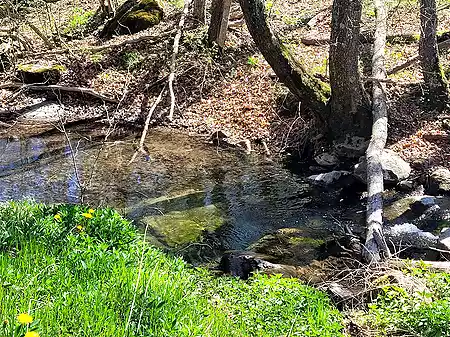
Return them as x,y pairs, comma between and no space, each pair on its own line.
254,195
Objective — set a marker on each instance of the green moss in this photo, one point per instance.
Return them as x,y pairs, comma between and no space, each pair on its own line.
181,227
39,69
306,241
153,17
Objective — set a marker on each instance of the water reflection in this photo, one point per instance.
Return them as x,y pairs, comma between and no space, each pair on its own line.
255,196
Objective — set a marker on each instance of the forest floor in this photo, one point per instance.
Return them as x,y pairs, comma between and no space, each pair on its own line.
235,91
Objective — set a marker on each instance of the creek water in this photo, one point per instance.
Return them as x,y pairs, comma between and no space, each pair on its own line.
186,192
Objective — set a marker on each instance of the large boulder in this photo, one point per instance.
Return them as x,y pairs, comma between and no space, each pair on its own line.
440,181
134,16
394,168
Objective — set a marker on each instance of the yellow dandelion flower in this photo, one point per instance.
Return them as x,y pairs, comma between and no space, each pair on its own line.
57,217
80,228
91,211
24,318
87,215
32,334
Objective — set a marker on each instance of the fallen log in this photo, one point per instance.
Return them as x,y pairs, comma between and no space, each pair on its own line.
375,247
37,87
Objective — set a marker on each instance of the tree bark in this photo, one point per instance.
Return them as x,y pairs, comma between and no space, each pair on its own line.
199,11
217,32
307,88
375,245
433,74
349,104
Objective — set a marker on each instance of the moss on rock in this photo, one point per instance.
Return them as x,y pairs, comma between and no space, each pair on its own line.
38,73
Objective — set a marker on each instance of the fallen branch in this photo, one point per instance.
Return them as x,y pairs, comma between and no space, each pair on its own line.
364,37
375,244
96,49
36,87
176,44
141,148
443,46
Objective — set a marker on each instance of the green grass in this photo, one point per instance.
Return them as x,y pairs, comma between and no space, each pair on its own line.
79,275
427,314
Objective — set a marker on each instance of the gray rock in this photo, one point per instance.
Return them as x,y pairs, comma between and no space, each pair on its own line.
333,178
326,159
394,167
408,234
416,205
243,264
444,237
440,181
353,147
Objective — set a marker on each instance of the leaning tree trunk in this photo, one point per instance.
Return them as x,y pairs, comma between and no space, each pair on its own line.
306,87
199,11
433,74
349,104
375,244
217,32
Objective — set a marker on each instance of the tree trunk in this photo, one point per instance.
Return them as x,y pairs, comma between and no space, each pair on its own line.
375,240
217,32
199,11
349,104
432,72
307,88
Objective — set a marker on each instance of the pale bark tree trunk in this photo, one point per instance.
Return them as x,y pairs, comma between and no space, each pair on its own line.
349,104
217,32
199,11
433,74
306,87
375,245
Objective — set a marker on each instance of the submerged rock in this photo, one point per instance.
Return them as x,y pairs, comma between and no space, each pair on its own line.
291,246
181,227
394,168
38,73
440,181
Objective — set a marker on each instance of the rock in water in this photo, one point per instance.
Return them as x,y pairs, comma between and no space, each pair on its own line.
332,179
394,168
134,16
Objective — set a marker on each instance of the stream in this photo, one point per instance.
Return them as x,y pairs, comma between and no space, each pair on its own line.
188,195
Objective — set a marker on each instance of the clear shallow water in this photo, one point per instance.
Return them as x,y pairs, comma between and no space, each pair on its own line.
252,195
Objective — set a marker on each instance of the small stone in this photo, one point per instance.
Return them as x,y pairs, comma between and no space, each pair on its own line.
336,178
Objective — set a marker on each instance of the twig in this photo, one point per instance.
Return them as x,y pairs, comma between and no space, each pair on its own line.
443,46
147,123
176,44
57,88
